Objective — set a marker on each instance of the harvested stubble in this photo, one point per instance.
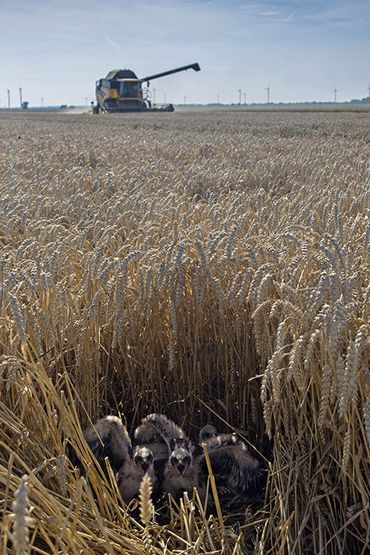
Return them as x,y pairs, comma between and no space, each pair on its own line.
185,263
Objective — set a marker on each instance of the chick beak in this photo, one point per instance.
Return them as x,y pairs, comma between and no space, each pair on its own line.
145,467
181,468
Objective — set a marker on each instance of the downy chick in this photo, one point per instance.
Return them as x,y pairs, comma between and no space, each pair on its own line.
133,471
180,473
232,464
156,432
207,433
108,438
214,440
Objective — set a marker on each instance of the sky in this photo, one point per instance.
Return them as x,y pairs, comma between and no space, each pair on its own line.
301,49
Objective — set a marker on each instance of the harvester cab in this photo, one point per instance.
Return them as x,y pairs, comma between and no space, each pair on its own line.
122,91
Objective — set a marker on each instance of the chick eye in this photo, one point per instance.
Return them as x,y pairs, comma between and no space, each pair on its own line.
175,460
139,459
186,460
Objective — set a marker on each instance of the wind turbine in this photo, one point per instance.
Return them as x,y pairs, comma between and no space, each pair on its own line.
268,93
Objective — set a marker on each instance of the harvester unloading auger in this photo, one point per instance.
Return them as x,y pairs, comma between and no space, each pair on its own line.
122,91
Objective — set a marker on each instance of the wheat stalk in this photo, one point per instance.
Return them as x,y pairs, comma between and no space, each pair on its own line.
20,510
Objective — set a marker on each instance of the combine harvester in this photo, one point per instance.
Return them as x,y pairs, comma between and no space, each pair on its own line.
122,91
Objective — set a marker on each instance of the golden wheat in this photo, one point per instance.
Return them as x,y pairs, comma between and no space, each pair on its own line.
203,265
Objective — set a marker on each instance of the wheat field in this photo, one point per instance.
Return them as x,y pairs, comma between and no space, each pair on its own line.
210,266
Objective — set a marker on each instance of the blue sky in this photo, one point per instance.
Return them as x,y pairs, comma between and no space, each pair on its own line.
56,49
